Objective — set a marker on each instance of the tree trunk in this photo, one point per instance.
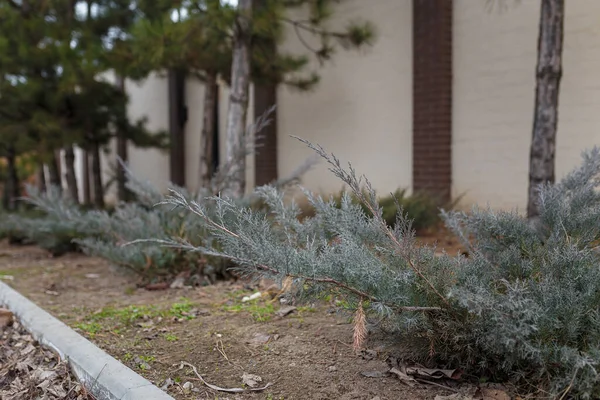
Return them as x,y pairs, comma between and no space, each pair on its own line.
54,172
97,176
122,154
87,199
12,182
41,178
208,131
71,178
238,100
548,74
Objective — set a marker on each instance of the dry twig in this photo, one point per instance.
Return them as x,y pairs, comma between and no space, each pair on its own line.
217,388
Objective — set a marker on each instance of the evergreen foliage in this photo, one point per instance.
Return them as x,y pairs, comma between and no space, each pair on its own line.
523,306
199,39
59,221
422,208
53,55
126,236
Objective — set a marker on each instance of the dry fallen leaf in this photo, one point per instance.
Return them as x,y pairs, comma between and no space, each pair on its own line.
455,396
375,374
259,339
283,311
251,380
167,384
434,373
6,318
30,371
494,394
28,349
409,380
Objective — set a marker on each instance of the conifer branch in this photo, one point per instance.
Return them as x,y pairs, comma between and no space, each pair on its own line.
372,206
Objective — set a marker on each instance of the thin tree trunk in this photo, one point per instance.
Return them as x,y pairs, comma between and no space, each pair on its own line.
41,178
97,176
12,181
548,74
121,153
87,199
238,100
70,173
54,172
208,130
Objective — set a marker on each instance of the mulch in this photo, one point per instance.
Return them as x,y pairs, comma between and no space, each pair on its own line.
30,371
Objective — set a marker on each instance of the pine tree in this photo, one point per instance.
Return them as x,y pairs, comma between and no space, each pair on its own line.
51,64
201,40
29,85
273,16
97,109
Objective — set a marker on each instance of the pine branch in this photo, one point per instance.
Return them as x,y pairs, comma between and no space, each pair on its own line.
371,203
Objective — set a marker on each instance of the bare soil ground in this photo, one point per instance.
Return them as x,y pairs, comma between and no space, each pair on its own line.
304,355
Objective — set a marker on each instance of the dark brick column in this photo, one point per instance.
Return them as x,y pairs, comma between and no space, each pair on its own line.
265,161
432,97
265,97
177,120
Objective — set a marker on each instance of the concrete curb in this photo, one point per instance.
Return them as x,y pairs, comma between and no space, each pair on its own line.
102,375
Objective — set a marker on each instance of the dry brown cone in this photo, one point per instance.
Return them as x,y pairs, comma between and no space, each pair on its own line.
360,327
286,286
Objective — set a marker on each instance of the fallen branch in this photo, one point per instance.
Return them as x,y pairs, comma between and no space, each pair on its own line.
217,388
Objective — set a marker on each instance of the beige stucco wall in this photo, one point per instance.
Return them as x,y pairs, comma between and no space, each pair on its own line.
361,109
148,99
493,99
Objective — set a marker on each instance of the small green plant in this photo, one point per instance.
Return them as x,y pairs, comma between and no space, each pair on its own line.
91,328
126,317
171,338
182,310
306,309
260,312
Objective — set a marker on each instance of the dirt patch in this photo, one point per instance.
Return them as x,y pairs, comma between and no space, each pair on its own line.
443,240
30,371
305,354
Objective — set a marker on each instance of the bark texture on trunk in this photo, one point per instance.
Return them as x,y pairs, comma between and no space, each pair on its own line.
97,176
70,174
87,198
121,153
238,100
54,172
548,75
208,131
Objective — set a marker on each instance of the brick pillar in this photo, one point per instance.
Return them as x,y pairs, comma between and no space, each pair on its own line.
265,97
432,97
177,120
265,161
